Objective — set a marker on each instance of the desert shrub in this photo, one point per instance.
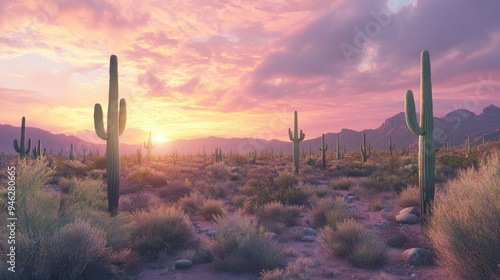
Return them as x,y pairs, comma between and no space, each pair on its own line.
274,214
216,190
362,247
456,161
329,211
76,251
342,183
213,208
27,258
71,168
85,192
134,202
174,190
38,208
297,194
465,226
219,171
368,252
192,203
159,231
379,203
410,196
240,245
297,270
137,176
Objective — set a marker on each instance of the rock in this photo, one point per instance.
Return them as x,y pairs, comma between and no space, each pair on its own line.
397,241
183,263
271,234
310,231
212,233
407,219
386,210
349,198
307,238
416,256
410,210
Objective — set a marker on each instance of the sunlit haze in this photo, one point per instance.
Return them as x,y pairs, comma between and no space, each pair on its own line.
192,69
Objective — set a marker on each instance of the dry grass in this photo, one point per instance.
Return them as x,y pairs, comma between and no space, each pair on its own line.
213,208
465,227
329,211
274,216
410,196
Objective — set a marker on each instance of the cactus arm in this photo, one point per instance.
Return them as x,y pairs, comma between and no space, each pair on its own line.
302,136
16,146
29,146
290,134
123,115
411,114
98,122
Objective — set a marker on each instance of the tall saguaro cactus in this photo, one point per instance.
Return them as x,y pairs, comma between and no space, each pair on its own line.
296,138
117,119
426,145
21,148
149,146
323,150
340,155
365,152
391,147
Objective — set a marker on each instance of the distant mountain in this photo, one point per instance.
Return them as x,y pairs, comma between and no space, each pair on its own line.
456,125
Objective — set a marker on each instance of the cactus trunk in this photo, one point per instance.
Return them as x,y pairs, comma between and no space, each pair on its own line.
425,131
296,138
115,127
365,152
323,150
149,146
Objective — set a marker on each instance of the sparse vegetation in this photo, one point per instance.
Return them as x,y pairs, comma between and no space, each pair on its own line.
329,211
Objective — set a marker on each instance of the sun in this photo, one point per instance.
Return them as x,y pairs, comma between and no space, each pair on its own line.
160,138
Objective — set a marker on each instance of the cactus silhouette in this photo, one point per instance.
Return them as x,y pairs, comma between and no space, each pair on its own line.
71,153
21,149
468,149
426,145
139,156
340,155
323,150
391,147
365,152
149,146
296,138
37,151
117,119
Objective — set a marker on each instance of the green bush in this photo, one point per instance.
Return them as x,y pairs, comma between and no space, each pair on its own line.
240,245
213,208
160,230
85,192
275,215
353,241
465,226
329,211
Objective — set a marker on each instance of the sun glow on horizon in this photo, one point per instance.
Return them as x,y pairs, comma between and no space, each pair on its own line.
160,138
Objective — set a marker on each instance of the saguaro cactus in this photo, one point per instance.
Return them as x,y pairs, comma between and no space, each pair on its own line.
296,138
139,155
218,154
426,145
71,153
391,147
21,149
117,119
149,146
365,152
37,151
340,155
323,150
468,149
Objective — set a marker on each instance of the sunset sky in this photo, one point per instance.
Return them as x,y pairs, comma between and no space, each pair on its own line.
238,68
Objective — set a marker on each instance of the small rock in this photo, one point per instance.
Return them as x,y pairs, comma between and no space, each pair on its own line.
416,256
407,219
307,238
397,241
410,210
384,224
183,263
386,210
310,231
212,233
349,198
271,234
413,275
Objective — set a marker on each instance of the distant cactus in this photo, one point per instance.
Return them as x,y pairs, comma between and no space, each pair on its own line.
139,156
365,151
71,153
174,155
218,154
468,149
323,150
149,146
84,154
340,155
253,155
22,149
37,151
296,138
391,147
117,119
426,145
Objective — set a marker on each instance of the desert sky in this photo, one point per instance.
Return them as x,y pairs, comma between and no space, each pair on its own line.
238,68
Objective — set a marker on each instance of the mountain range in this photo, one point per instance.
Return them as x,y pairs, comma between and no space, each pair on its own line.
455,126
